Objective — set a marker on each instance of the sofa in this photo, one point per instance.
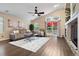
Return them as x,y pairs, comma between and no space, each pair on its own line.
18,34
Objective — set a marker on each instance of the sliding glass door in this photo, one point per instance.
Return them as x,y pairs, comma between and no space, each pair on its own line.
52,25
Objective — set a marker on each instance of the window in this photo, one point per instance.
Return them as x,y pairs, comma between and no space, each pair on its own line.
1,24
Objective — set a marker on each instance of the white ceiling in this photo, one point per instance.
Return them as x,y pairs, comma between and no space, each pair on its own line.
21,9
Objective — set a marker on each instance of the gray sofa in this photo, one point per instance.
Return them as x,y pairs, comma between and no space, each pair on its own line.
18,34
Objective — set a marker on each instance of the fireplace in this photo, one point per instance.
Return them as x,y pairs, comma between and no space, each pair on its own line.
74,32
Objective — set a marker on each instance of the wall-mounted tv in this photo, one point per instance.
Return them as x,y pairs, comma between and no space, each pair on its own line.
74,32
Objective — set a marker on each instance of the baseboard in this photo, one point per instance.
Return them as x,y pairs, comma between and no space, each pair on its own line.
3,39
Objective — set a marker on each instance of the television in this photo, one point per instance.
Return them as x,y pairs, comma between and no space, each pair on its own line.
74,32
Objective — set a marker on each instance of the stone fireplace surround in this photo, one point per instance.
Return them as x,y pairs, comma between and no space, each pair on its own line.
68,33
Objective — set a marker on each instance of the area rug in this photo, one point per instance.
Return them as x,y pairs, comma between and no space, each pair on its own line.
34,45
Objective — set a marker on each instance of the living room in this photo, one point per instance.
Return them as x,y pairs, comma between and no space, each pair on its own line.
38,29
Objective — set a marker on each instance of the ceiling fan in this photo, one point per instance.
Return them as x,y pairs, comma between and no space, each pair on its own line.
36,12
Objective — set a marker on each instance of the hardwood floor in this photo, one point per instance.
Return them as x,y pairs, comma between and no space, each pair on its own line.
53,47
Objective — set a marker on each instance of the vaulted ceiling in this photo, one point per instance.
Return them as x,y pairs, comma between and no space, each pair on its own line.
21,9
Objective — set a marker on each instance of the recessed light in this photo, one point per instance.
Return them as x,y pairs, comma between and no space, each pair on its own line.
56,5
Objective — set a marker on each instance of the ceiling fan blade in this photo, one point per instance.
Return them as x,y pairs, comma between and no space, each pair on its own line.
41,13
31,12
